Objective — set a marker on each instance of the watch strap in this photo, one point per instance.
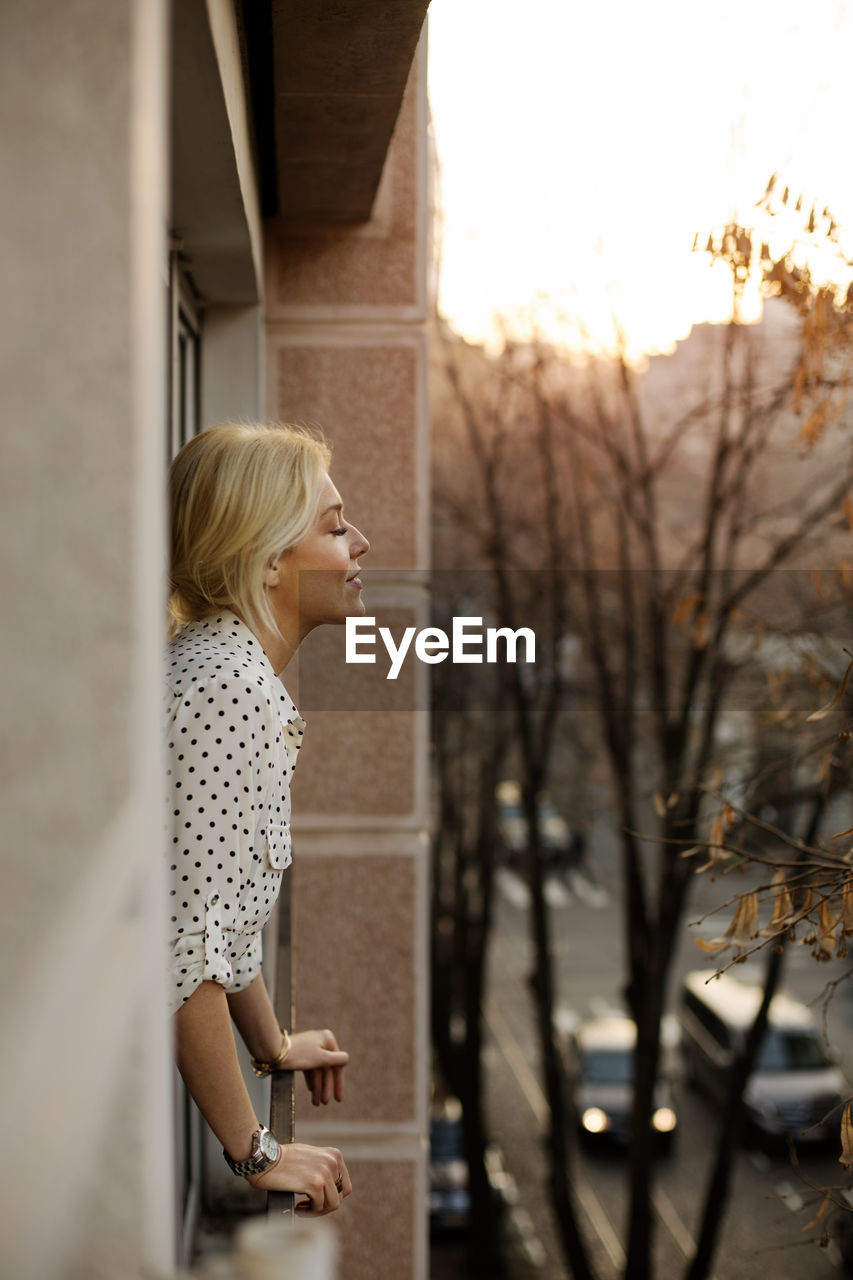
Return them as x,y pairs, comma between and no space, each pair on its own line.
257,1161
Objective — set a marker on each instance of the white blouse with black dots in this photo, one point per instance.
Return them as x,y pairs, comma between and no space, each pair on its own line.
233,736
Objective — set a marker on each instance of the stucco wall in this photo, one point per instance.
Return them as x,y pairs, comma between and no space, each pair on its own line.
84,1073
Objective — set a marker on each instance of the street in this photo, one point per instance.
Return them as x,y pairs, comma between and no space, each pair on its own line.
771,1202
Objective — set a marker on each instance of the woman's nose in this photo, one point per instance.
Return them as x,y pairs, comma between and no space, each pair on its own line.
359,545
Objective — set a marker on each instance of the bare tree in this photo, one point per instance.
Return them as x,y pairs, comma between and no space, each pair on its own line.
468,749
656,537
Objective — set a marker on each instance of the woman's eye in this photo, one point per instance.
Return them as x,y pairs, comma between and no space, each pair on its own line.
338,533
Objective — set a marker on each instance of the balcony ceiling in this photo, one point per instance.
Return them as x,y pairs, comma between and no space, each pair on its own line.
327,79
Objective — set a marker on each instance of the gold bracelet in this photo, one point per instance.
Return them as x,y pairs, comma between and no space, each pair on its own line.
262,1069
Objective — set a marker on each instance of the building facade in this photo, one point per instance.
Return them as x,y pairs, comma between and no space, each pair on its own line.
212,210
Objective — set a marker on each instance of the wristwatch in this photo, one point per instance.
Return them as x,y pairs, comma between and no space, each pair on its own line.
265,1151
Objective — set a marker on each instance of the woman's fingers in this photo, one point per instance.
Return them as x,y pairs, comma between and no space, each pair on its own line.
310,1049
320,1173
317,1054
314,1081
325,1083
335,1187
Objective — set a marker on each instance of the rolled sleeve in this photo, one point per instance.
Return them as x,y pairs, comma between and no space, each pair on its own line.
200,956
220,748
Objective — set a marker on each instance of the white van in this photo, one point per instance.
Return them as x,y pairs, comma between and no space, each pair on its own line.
796,1090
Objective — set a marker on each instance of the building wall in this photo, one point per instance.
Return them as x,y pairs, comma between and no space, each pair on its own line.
85,1120
86,1070
346,348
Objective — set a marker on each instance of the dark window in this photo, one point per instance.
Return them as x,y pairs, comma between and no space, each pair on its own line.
791,1051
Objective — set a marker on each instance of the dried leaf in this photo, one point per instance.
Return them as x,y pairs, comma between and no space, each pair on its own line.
686,607
660,805
834,701
716,944
783,912
745,923
716,838
846,1157
822,415
741,932
846,913
825,1203
827,918
827,764
718,829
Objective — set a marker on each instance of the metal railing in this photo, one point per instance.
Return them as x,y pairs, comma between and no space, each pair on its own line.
283,1097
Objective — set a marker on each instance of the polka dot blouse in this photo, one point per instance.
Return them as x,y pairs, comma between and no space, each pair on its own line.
233,736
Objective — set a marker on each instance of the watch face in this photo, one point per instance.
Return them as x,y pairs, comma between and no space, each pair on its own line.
269,1145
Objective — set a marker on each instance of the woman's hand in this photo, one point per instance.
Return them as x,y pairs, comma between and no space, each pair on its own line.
317,1054
314,1052
317,1172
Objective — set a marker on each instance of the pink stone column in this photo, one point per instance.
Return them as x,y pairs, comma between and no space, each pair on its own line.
346,348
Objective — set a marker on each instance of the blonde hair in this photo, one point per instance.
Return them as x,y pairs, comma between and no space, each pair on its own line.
240,495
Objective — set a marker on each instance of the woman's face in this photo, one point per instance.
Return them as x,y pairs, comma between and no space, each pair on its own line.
317,581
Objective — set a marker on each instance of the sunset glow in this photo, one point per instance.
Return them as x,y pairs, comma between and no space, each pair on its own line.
581,148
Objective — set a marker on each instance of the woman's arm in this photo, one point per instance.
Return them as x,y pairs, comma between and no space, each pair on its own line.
255,1019
314,1052
207,1060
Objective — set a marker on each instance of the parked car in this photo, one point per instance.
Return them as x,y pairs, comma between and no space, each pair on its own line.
598,1054
796,1089
554,834
449,1197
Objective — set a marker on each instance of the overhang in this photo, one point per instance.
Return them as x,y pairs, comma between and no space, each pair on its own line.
327,80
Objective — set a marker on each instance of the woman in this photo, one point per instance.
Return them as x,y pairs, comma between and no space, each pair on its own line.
260,556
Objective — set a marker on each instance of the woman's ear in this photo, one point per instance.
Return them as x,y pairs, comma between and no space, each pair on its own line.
271,574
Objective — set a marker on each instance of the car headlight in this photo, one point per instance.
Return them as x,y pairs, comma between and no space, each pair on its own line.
664,1120
594,1120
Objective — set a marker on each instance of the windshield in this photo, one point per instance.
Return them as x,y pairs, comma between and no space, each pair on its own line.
791,1051
608,1066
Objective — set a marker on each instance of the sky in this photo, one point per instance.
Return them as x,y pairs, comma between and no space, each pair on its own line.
582,146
